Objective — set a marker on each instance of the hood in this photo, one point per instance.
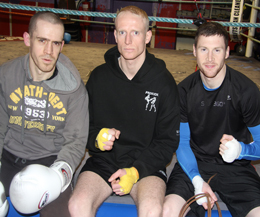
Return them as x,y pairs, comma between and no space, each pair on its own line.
67,80
148,71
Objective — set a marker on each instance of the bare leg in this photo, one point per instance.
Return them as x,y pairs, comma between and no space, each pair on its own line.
148,195
254,212
58,207
90,192
172,205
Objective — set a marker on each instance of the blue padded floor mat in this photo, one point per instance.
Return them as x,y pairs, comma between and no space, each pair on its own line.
108,210
128,210
13,213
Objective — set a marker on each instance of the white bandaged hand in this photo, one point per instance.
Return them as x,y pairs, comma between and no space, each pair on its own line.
233,151
197,182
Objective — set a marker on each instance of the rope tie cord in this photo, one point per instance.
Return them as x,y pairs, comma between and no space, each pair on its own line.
113,15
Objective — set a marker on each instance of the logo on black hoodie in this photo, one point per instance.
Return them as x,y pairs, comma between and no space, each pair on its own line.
150,98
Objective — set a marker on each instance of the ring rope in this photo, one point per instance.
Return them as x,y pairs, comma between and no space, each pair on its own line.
113,15
253,39
255,7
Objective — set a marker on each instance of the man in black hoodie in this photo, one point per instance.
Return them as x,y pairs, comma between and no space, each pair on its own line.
134,123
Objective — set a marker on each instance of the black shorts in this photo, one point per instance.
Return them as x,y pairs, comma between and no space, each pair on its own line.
237,186
105,170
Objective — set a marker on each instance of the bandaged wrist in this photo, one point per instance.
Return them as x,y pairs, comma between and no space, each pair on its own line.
132,172
127,181
197,182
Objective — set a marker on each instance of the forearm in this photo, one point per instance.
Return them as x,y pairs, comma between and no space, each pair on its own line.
149,163
160,151
75,134
251,151
185,155
4,117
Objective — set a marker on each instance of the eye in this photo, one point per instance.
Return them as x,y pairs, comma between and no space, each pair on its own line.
121,32
136,32
42,40
57,43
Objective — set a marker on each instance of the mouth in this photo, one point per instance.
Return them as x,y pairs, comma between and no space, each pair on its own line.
129,49
47,60
210,66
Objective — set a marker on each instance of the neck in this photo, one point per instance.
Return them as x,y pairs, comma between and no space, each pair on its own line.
38,75
215,82
130,67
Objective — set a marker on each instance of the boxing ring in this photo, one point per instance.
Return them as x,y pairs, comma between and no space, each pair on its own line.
236,26
112,207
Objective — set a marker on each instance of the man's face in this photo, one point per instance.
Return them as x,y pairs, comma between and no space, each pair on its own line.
211,53
131,35
45,46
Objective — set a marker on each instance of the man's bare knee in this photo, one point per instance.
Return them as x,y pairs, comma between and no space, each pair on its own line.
155,210
90,191
172,205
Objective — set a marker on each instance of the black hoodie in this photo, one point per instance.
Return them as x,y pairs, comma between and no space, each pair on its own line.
145,110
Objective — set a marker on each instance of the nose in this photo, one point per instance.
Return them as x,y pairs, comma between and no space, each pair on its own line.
210,56
48,48
128,38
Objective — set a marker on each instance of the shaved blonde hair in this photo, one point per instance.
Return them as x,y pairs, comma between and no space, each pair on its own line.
135,10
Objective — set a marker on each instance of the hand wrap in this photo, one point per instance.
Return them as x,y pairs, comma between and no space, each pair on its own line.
197,182
127,181
233,151
102,137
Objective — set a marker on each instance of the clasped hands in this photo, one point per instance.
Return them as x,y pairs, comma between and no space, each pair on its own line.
122,180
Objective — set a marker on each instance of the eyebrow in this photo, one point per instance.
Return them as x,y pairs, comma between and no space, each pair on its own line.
38,37
202,46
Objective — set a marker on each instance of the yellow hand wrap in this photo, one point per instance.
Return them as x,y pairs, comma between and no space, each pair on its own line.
127,181
103,136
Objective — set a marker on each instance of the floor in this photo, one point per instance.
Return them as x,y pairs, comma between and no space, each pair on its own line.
181,63
86,56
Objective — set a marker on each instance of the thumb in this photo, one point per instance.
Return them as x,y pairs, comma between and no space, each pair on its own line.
117,134
213,196
225,138
114,176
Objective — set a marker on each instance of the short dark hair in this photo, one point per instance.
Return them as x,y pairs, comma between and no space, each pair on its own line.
211,29
46,16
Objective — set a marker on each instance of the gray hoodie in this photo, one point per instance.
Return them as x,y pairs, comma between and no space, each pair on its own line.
41,119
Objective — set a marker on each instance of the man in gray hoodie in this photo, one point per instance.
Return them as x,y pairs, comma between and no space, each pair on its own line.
44,121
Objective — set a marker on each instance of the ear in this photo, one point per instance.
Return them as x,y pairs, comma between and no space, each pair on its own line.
227,52
194,50
26,39
148,36
115,35
62,44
